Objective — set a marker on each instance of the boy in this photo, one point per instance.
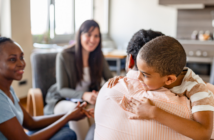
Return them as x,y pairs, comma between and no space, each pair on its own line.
160,63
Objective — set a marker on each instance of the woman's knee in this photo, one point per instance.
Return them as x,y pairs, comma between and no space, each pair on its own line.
64,107
70,135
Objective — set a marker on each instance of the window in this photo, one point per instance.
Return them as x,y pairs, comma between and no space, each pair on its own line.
39,20
61,21
56,21
101,15
64,14
39,16
83,11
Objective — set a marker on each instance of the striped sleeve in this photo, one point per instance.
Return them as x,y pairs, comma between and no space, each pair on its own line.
197,91
201,98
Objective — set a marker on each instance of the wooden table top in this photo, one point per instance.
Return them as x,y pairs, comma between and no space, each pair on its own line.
116,54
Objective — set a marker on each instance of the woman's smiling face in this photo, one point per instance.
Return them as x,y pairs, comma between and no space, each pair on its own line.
91,39
12,61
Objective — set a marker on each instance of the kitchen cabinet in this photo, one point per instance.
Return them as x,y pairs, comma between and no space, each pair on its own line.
185,2
200,56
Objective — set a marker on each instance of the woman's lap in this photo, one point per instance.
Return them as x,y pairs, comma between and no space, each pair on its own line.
64,106
80,127
65,133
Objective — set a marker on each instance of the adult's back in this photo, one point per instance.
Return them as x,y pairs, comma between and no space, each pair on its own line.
112,120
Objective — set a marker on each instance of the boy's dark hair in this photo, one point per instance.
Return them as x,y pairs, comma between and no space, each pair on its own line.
165,54
139,39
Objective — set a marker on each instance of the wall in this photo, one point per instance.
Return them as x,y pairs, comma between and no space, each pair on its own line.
190,20
128,16
17,26
5,18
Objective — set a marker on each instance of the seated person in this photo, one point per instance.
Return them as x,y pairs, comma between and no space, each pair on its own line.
161,64
13,117
112,121
80,69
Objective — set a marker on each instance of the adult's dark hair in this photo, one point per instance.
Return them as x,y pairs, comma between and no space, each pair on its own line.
5,39
95,57
165,54
139,39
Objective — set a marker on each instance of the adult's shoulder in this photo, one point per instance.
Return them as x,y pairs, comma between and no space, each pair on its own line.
14,94
67,53
116,93
103,57
3,96
69,49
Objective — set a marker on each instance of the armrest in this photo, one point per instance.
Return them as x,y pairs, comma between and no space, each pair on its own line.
35,102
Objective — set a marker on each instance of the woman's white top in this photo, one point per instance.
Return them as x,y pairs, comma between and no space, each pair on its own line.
86,81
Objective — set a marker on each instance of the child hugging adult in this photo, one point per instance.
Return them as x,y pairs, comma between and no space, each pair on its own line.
161,64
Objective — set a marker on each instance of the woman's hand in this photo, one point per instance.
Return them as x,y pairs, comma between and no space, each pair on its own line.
77,113
142,109
113,81
89,112
80,112
90,97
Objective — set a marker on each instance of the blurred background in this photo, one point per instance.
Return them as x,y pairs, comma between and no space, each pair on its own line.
48,24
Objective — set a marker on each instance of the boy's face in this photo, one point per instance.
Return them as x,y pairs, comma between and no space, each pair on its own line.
150,79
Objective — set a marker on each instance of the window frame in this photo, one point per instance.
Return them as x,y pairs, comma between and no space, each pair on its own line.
65,38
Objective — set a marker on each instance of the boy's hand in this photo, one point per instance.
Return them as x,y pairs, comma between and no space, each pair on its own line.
113,81
142,109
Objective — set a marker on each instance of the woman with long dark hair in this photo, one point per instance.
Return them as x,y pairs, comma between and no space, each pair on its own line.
79,71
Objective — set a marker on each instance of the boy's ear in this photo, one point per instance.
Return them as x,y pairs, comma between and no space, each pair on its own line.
131,63
170,79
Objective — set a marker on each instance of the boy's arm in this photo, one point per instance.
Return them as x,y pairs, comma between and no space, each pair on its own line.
198,129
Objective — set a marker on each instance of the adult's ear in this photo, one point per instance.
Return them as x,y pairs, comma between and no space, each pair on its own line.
131,62
170,79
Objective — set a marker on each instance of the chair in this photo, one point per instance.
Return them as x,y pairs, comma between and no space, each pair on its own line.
43,75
